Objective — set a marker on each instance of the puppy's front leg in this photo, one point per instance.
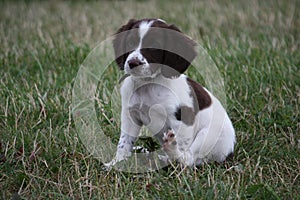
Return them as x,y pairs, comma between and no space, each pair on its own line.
170,146
129,134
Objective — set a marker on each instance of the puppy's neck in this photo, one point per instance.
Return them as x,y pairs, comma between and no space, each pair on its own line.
147,79
143,79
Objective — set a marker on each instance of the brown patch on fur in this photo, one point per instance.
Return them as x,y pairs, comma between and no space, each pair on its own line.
119,43
178,42
185,114
201,97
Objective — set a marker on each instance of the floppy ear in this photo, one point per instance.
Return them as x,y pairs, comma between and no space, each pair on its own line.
119,43
179,52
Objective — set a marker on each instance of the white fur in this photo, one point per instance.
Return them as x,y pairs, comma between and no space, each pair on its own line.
143,29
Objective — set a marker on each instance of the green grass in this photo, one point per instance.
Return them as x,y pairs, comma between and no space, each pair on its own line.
255,45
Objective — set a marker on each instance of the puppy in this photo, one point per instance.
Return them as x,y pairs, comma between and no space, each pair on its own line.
188,121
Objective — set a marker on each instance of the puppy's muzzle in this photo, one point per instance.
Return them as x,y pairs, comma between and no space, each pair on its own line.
134,62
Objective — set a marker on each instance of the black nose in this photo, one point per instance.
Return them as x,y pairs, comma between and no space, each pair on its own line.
134,62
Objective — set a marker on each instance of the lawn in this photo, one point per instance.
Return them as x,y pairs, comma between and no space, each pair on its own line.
255,46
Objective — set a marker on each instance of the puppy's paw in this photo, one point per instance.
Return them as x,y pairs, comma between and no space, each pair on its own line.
121,155
170,143
108,166
164,159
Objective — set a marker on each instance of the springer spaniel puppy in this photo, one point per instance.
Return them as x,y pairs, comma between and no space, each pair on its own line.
189,122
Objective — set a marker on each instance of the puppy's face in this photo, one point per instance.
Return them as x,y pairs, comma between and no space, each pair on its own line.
148,47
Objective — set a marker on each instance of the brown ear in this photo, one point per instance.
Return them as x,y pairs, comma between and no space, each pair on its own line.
119,43
179,52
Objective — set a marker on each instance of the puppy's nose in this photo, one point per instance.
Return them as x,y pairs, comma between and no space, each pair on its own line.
134,62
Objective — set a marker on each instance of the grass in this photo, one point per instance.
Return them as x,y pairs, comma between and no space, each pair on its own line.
255,45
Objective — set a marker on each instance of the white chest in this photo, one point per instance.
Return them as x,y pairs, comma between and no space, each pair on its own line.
154,103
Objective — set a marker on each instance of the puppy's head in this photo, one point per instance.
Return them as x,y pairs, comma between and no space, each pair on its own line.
148,47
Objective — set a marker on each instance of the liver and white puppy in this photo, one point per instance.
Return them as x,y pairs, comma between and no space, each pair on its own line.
190,123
